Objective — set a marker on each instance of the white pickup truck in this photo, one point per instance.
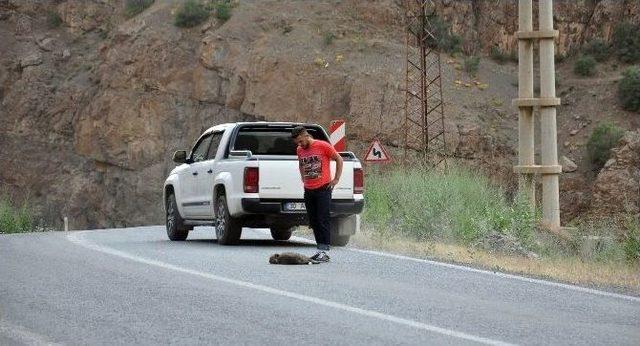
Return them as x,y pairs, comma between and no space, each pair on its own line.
246,175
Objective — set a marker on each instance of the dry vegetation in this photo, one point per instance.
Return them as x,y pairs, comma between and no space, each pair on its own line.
611,275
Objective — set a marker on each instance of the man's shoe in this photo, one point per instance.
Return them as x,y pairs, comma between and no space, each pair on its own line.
321,256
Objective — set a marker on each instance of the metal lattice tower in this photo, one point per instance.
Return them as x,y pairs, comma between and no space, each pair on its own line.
424,104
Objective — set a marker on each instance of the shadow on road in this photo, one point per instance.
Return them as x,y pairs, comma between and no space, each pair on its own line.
256,242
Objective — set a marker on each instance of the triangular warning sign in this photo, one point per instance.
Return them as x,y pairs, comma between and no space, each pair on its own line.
376,153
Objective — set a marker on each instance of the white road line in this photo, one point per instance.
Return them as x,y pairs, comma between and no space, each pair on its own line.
487,272
20,334
77,238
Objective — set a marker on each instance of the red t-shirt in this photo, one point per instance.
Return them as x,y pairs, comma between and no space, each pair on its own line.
315,164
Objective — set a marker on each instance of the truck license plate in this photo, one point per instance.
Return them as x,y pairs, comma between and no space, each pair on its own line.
294,206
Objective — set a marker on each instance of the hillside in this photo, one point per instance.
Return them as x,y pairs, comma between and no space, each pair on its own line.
94,102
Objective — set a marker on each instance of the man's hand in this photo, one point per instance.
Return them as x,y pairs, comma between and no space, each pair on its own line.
338,159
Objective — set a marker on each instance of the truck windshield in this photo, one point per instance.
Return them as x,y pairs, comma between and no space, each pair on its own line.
271,141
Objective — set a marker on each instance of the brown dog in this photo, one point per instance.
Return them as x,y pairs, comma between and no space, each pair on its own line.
290,258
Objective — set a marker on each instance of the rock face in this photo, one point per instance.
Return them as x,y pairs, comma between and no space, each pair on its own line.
617,188
92,110
568,165
493,23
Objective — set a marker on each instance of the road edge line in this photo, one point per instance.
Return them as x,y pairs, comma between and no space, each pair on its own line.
76,238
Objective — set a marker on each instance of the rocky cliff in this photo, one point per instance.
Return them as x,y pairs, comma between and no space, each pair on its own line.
93,106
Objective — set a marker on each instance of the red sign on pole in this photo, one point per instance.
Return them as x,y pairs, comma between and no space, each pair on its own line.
337,133
376,153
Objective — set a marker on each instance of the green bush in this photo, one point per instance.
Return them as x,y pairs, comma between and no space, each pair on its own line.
629,89
626,42
585,66
604,137
223,10
12,219
471,65
631,242
220,8
513,56
134,7
328,37
498,55
598,49
457,206
53,19
560,57
444,40
190,14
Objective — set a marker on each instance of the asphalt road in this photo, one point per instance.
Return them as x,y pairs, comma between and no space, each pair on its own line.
133,286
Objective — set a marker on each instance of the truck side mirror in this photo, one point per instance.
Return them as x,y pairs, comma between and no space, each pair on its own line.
180,156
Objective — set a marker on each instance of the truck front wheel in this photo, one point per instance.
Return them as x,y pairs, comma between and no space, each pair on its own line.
176,230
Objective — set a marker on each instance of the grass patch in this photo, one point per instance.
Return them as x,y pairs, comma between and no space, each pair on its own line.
458,216
328,37
585,66
631,242
134,7
626,42
14,219
604,137
598,49
459,207
471,65
629,89
190,14
445,39
222,10
498,55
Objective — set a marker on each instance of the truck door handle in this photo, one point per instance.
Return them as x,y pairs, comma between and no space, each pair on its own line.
210,171
195,173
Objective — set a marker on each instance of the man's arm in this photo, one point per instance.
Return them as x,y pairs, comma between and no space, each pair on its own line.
339,160
299,165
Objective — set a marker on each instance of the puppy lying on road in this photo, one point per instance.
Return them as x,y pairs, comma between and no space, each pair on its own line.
291,258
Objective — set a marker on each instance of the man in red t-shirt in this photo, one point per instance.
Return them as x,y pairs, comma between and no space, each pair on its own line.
314,158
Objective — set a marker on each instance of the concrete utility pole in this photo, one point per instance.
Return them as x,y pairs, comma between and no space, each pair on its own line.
546,103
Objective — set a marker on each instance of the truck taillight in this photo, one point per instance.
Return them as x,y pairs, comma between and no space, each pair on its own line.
251,179
358,181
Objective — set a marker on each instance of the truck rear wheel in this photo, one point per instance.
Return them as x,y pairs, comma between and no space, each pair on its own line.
228,228
176,230
281,233
342,228
339,240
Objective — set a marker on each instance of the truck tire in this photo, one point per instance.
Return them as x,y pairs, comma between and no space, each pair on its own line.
228,228
281,233
339,240
342,228
176,230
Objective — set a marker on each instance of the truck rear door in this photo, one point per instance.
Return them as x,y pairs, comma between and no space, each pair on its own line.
279,175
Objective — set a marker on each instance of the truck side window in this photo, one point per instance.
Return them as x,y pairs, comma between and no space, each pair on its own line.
213,148
199,152
247,141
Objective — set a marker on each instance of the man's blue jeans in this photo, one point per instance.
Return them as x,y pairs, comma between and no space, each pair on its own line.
318,204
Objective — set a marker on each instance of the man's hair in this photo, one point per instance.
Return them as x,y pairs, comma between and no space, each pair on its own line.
298,131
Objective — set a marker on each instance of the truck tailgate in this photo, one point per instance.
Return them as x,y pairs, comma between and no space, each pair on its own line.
280,179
